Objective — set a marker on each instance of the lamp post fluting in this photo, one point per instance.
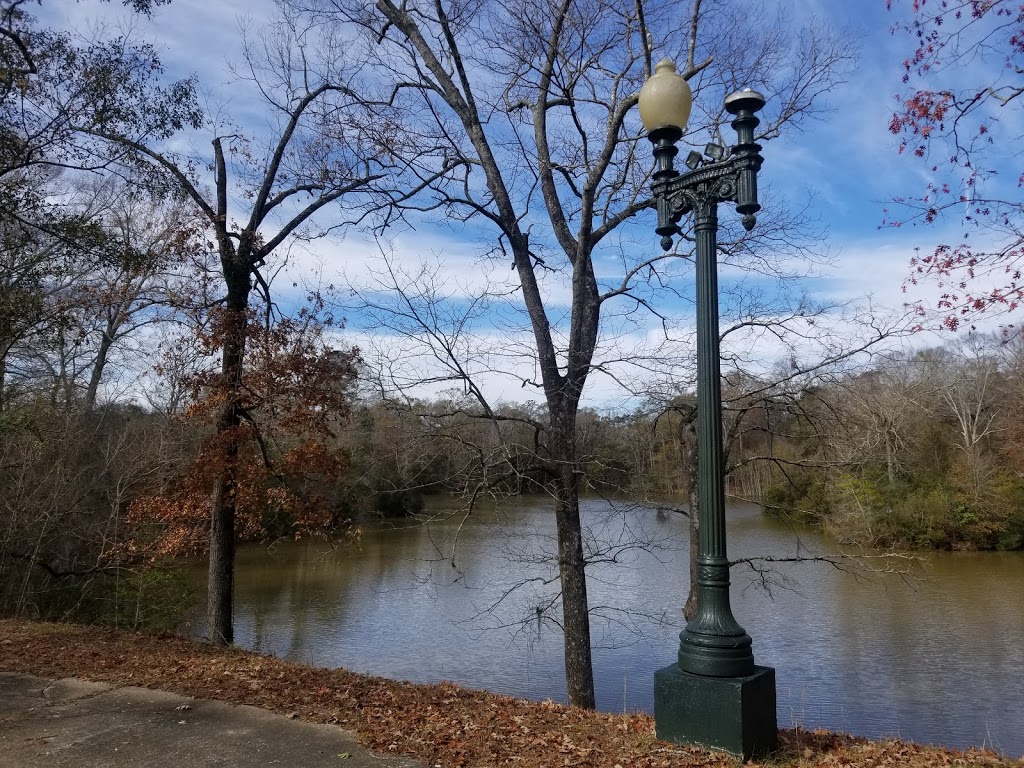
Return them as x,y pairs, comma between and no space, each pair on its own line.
715,695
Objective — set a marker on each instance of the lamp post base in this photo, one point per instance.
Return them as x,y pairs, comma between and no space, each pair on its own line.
733,714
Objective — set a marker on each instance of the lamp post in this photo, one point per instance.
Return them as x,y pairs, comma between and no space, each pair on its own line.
715,695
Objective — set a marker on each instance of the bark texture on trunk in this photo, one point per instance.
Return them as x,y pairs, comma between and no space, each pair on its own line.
579,672
689,458
106,342
220,589
690,608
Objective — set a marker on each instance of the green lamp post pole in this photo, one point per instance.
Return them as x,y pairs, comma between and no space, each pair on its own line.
714,695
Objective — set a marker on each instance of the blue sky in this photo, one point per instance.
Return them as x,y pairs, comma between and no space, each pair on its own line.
844,165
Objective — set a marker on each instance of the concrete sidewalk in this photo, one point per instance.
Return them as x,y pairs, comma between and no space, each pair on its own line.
76,724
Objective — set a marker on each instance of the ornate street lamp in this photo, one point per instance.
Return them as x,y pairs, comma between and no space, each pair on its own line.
715,695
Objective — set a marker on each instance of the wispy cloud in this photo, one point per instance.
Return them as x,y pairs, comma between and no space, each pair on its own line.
844,167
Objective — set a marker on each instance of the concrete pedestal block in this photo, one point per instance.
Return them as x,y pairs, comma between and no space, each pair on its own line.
733,714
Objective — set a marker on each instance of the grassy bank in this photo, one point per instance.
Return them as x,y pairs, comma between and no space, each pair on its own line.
443,725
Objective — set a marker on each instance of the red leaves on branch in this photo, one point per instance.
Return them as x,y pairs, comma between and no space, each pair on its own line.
296,390
984,40
959,268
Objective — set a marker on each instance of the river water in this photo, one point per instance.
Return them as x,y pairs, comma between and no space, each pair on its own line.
934,654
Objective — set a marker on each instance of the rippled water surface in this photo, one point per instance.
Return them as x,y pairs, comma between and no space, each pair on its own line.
936,657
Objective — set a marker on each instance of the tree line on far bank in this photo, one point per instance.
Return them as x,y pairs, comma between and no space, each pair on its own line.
916,450
921,450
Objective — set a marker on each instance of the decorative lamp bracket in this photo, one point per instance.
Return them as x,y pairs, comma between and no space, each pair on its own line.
701,189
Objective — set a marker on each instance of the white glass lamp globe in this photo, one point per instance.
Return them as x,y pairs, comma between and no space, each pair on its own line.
665,99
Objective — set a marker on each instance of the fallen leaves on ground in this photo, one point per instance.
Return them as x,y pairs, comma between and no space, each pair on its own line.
442,724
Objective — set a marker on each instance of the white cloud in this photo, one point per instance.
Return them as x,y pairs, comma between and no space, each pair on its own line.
847,162
192,35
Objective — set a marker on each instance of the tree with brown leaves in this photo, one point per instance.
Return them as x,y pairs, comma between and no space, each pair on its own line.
266,191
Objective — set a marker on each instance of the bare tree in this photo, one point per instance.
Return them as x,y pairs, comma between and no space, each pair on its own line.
777,355
144,271
49,252
75,301
879,408
970,381
531,107
67,479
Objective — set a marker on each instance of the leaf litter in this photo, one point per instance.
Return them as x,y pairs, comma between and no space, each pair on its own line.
442,725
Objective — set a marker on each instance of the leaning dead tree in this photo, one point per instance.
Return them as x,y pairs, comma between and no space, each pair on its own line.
531,108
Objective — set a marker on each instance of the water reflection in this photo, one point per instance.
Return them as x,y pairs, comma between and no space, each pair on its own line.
937,660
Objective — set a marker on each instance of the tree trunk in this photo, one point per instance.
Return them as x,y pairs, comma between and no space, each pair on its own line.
690,607
106,341
689,447
890,462
222,550
220,589
579,668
